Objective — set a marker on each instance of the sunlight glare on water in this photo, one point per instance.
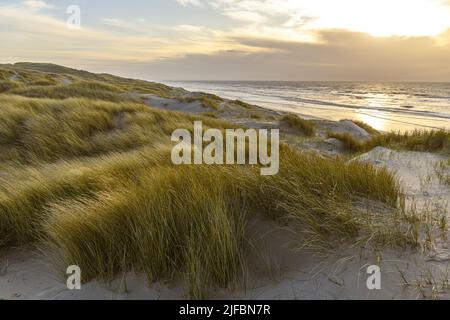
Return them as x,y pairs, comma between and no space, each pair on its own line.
384,106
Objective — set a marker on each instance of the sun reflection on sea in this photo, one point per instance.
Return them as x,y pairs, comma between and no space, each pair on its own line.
373,119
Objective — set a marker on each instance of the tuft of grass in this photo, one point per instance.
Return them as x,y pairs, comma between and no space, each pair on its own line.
82,89
175,222
307,127
209,114
7,85
207,101
44,82
242,104
349,142
442,170
255,115
417,140
5,74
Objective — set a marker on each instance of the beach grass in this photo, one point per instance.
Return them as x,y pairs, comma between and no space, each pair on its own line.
306,127
83,89
93,181
6,85
207,101
88,176
417,140
42,74
242,104
442,170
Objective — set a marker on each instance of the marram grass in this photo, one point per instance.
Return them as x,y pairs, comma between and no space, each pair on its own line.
417,140
306,127
92,180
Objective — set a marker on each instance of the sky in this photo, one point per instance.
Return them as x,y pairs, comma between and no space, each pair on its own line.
297,40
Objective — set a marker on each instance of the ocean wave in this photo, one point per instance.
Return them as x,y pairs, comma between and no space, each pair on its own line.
399,101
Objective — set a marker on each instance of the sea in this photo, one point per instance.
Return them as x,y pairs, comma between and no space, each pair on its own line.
384,106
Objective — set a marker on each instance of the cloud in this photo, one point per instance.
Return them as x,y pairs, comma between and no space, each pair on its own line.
139,26
185,3
262,11
31,35
299,21
37,5
189,28
247,16
28,34
268,40
381,17
339,55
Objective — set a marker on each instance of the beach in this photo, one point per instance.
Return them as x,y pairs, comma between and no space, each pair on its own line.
385,106
347,197
225,158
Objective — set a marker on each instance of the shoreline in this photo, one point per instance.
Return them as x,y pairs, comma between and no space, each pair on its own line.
383,118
